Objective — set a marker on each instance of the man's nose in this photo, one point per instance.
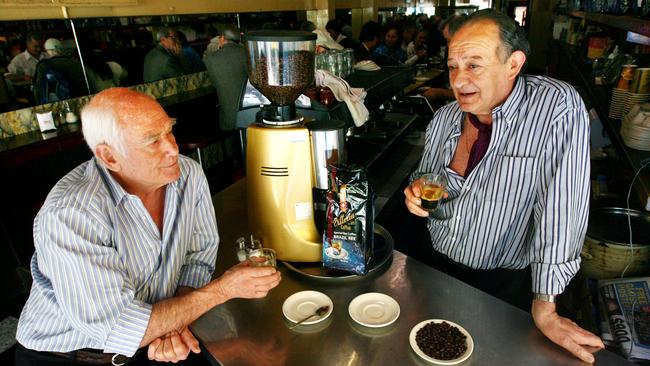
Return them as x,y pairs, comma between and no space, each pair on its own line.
171,148
459,78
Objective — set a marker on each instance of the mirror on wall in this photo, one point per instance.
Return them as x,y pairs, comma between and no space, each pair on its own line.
113,50
38,63
149,48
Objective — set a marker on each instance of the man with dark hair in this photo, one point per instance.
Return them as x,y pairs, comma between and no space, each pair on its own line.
23,66
194,62
515,152
228,73
213,45
166,59
369,39
334,28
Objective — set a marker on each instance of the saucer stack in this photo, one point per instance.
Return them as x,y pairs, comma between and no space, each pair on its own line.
619,97
635,127
633,98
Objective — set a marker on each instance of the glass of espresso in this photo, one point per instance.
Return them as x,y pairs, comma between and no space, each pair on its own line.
433,187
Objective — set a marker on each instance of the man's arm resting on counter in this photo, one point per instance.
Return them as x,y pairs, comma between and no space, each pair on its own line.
175,313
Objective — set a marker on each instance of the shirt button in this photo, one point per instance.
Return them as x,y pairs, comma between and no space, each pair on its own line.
458,217
453,238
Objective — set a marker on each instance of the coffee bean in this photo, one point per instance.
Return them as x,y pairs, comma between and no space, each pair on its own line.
295,73
441,341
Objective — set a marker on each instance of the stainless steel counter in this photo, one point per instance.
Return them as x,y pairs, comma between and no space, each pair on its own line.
255,332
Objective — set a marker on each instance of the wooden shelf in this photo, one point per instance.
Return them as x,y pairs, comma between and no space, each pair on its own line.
624,22
600,97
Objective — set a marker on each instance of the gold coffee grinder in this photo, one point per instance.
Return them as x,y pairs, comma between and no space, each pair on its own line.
280,170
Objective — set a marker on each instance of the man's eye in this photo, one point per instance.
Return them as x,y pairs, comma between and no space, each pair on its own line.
474,66
452,67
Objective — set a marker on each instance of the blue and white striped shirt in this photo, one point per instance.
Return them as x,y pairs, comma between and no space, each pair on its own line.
101,262
527,201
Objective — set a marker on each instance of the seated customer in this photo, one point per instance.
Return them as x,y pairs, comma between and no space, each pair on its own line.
228,73
189,53
102,74
418,47
368,41
125,247
166,60
23,66
390,50
335,29
58,77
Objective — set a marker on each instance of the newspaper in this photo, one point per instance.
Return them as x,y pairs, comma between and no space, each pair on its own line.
625,303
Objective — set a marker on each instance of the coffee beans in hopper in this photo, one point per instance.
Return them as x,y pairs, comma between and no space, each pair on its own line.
441,341
295,74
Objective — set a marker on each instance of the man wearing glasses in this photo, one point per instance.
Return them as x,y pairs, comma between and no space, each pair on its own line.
166,59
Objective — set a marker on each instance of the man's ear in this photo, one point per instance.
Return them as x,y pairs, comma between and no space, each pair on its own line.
515,62
107,156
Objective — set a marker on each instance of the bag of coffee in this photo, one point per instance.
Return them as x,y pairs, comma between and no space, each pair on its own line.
349,231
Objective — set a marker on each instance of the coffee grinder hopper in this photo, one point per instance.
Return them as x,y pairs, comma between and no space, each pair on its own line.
278,152
281,66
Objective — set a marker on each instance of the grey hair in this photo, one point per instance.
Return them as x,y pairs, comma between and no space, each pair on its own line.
162,32
513,37
231,35
101,126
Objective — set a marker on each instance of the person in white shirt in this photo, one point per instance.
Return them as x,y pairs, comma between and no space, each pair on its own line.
418,47
23,66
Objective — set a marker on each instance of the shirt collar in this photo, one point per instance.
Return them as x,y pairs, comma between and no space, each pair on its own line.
510,108
115,189
29,56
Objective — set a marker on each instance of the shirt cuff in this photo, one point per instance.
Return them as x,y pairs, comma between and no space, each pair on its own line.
127,334
194,276
552,278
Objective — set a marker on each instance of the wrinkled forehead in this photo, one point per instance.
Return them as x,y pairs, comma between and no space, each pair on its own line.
141,115
481,36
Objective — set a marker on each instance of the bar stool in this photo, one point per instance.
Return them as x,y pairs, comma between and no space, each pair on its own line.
196,139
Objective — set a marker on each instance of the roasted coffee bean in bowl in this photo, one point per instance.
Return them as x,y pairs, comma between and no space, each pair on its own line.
441,342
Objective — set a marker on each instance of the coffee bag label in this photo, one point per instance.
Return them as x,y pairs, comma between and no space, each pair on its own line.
348,238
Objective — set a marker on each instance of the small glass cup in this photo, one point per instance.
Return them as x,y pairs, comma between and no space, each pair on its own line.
432,190
262,257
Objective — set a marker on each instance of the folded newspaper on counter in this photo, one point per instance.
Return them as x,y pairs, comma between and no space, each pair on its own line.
625,304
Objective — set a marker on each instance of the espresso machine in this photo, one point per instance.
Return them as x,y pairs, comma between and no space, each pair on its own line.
286,154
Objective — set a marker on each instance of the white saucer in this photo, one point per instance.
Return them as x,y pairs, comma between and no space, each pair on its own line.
304,303
374,310
419,352
330,252
366,65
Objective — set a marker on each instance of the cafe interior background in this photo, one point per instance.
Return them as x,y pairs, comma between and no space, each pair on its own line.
565,36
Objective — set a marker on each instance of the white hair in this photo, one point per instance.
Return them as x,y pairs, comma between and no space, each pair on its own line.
100,125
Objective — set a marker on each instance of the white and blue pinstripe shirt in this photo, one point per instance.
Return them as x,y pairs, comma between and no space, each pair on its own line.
100,260
526,202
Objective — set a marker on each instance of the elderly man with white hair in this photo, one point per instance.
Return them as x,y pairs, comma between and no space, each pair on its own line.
126,246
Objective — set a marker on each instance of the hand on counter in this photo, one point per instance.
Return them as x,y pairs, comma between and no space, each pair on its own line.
564,332
173,347
247,282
